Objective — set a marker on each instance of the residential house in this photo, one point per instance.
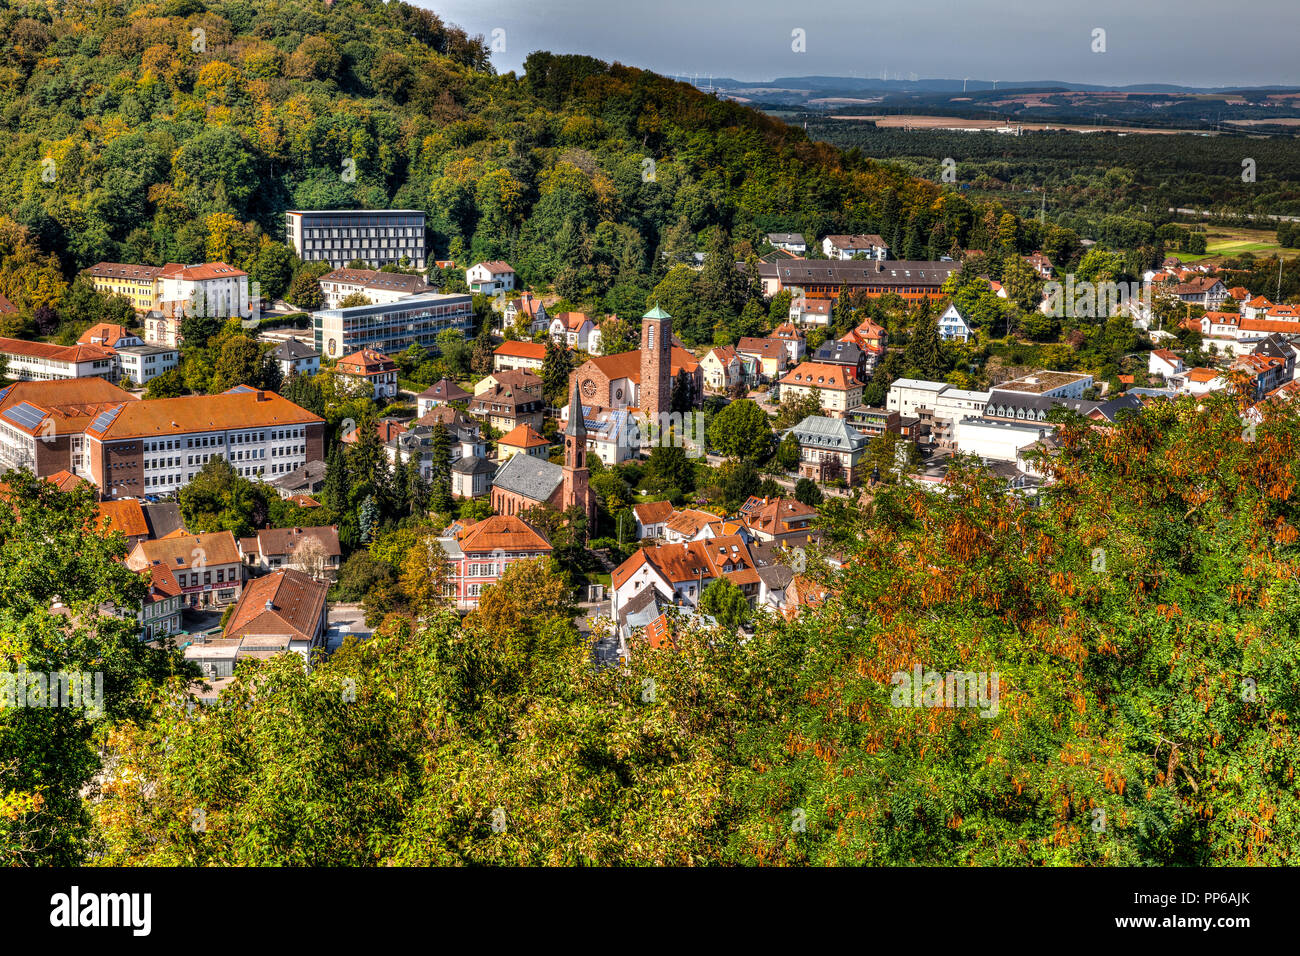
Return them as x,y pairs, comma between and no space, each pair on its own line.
681,572
721,368
791,242
126,517
207,567
471,477
571,329
307,479
285,611
953,326
508,400
1164,363
651,518
1040,263
532,309
515,355
375,369
161,606
845,353
829,448
780,520
522,440
296,358
847,247
793,338
465,433
479,554
312,551
771,355
691,524
1255,308
1199,381
442,392
108,335
1206,291
491,277
838,385
806,311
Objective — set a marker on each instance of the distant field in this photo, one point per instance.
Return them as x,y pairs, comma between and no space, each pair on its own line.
1223,242
899,121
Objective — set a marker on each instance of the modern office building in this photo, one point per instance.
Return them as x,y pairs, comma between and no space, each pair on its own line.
375,236
391,327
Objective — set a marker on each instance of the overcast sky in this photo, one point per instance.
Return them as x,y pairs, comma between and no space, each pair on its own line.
1188,42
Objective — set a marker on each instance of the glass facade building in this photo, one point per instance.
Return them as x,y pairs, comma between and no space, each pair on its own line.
391,327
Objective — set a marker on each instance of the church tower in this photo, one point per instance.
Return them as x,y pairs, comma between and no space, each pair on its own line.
656,388
576,490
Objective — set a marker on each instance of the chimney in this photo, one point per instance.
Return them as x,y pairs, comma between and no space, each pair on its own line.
270,605
880,265
261,395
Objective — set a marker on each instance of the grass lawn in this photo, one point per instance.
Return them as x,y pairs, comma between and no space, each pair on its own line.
1222,241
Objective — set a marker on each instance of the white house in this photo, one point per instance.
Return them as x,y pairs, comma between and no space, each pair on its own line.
1164,363
296,358
140,363
804,311
846,247
572,329
791,242
953,327
490,277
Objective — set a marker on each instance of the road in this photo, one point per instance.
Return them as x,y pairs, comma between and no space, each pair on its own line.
344,620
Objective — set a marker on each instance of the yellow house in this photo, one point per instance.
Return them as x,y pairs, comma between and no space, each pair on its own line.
140,284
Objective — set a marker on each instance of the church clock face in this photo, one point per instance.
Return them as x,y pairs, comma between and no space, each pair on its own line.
588,389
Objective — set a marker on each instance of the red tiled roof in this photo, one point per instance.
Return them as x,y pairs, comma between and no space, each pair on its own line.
501,533
365,363
202,413
529,350
521,436
282,603
55,353
653,512
124,515
822,375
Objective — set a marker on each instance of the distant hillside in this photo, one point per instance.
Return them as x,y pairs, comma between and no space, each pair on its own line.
182,131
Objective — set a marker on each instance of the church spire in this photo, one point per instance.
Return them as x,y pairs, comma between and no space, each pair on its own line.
577,427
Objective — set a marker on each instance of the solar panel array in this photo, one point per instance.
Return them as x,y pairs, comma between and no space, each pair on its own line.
105,418
25,414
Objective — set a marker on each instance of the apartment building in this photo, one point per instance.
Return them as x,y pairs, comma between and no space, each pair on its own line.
838,385
479,554
158,446
338,236
41,362
391,327
206,566
208,288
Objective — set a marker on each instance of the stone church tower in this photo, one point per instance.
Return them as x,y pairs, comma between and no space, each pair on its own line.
656,388
576,490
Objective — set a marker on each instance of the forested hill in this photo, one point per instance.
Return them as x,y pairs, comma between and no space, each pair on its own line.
181,131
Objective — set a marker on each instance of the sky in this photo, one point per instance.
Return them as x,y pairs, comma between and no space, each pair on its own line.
1185,42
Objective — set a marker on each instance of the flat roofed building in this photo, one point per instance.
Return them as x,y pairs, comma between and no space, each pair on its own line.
338,236
391,327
